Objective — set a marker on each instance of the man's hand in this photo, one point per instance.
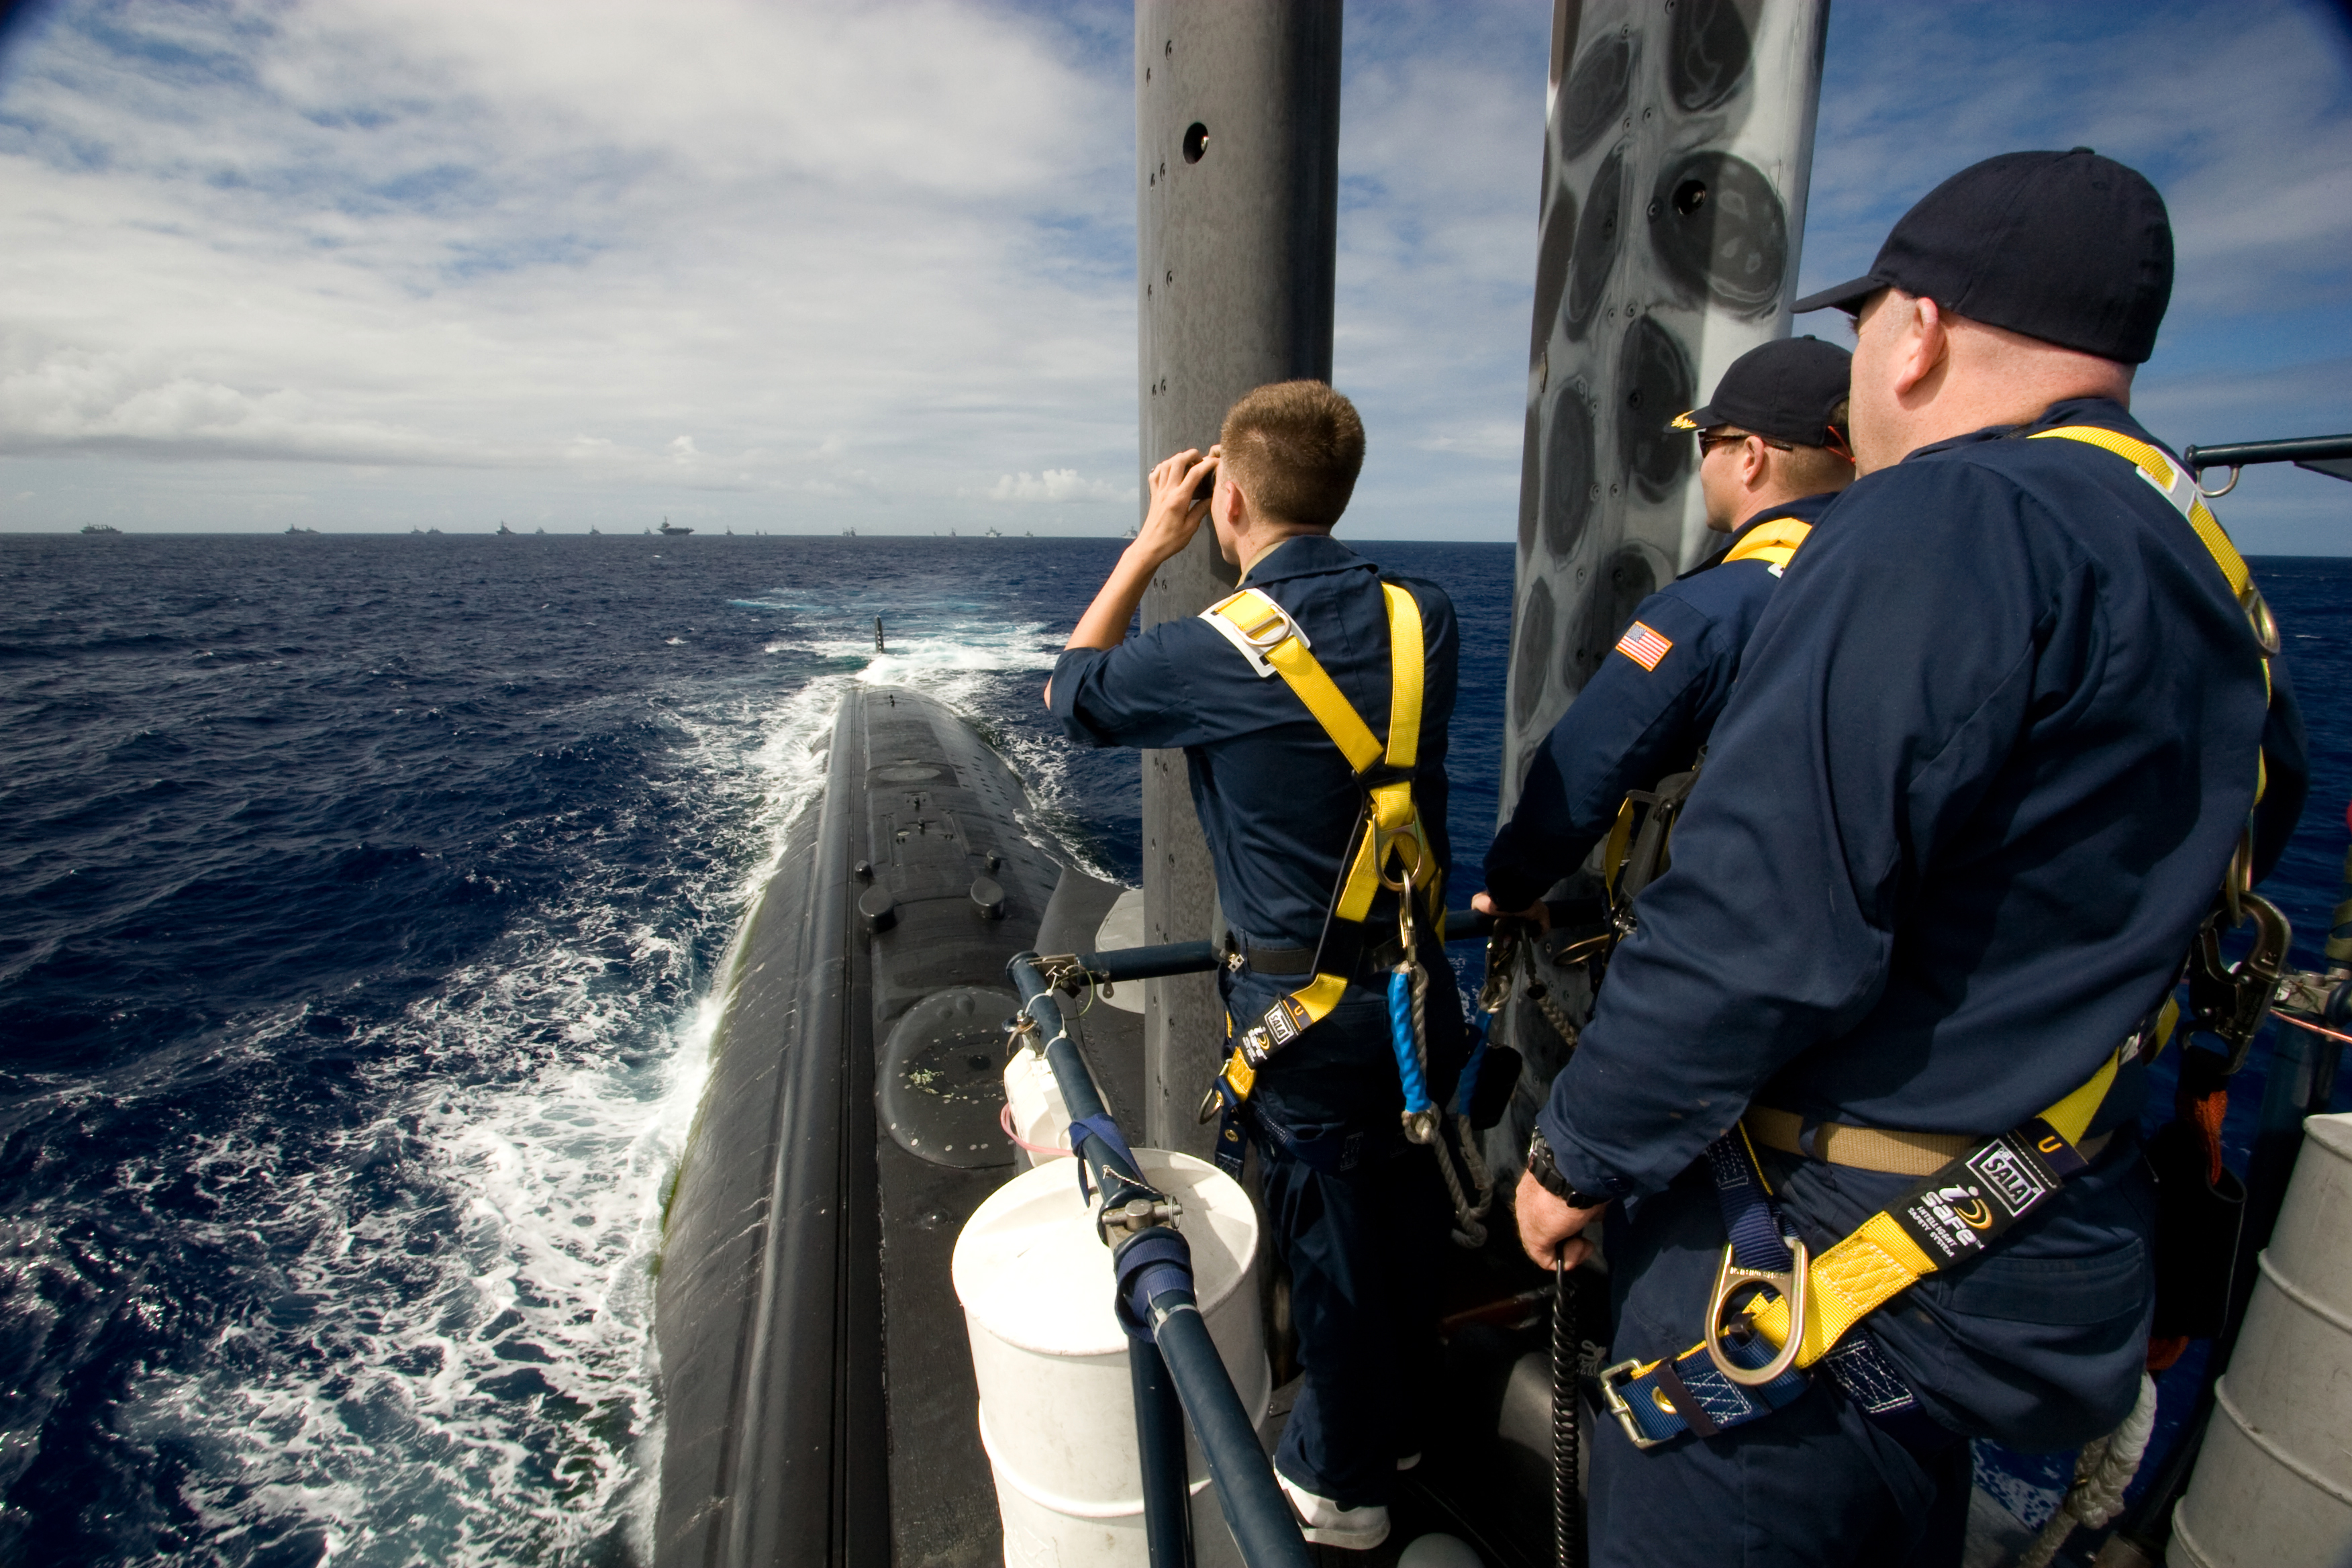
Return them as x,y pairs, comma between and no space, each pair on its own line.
1540,912
1548,1228
1174,516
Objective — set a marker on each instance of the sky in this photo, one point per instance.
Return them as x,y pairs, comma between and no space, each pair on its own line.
796,268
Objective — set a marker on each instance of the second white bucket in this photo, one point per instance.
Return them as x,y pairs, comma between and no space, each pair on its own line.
1057,1409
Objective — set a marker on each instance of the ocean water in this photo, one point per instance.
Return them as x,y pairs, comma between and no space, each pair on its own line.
360,899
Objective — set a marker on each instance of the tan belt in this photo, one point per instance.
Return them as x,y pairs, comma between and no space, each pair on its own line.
1887,1149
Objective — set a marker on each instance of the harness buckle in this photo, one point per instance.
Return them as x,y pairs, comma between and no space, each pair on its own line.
1615,1400
1729,1277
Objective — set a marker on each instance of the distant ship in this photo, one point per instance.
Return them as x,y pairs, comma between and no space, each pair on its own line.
848,534
540,530
301,531
100,528
672,530
504,531
592,533
419,530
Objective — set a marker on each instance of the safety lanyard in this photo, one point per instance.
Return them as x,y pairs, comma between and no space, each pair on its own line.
1775,1311
1387,830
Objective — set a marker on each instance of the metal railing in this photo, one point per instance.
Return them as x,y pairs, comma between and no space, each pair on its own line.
1176,1372
1174,1368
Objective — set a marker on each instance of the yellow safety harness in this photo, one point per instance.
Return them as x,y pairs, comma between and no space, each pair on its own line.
1388,832
2227,1001
1775,1311
1775,541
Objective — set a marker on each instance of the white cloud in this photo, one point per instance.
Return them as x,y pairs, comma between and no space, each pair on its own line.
544,240
794,266
2249,139
1440,161
1057,485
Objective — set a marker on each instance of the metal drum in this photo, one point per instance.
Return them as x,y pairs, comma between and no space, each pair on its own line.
2273,1483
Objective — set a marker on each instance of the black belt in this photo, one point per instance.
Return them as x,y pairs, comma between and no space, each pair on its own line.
1370,968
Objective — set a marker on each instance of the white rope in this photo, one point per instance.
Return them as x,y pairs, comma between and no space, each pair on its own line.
1534,990
2101,1471
1475,1162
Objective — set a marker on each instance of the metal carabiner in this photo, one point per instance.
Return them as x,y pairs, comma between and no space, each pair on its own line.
2230,1000
1730,1277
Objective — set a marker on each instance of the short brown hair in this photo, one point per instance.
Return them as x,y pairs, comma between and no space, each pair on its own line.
1295,448
1817,468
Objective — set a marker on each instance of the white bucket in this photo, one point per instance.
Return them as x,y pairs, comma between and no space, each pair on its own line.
1056,1410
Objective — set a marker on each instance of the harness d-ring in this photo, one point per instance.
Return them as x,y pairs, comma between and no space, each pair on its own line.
1730,1277
1380,869
2198,480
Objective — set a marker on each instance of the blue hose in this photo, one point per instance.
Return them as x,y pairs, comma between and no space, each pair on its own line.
1417,1093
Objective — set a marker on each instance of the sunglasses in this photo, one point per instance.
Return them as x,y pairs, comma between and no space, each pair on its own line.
1708,440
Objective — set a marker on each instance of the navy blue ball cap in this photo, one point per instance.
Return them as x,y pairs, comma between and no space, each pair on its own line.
2069,247
1788,390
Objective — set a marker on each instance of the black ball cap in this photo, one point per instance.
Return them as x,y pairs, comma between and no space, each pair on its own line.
1786,390
2070,247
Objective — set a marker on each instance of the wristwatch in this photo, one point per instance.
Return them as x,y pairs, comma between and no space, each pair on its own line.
1546,1171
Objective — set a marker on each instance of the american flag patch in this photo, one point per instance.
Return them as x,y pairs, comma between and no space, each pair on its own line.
1644,647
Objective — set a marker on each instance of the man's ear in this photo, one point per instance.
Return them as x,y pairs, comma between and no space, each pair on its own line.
1235,516
1926,344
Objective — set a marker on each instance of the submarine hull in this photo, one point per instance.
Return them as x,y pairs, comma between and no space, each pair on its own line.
817,1385
819,1402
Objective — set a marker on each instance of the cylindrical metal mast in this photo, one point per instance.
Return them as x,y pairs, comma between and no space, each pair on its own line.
1237,169
1678,142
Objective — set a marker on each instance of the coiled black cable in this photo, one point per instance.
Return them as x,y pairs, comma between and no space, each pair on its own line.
1567,1501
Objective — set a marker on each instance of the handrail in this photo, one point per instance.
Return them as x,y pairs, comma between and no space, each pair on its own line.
1254,1509
1151,962
2238,454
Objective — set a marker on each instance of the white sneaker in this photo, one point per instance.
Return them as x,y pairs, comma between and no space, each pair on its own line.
1326,1523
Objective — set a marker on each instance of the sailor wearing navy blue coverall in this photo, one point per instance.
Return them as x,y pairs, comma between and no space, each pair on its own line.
1991,747
1771,447
1360,1225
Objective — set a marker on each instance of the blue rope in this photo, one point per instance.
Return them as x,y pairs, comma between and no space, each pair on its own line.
1417,1093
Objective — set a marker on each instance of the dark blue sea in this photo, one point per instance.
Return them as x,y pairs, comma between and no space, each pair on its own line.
359,898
